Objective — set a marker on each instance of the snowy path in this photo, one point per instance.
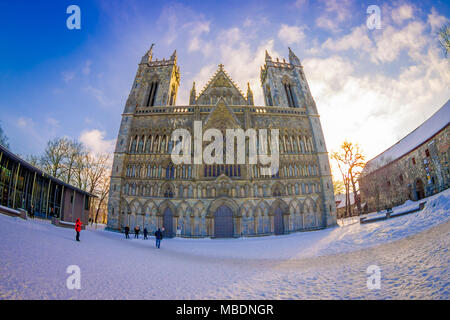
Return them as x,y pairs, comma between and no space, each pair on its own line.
412,252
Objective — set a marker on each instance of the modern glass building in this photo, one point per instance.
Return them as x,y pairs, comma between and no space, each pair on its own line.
23,186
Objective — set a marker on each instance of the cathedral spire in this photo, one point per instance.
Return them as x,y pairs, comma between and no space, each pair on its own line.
267,56
193,95
150,52
174,55
293,59
249,95
149,55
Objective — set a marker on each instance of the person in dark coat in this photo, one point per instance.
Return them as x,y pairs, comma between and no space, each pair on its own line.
127,231
145,234
78,229
136,232
32,212
158,236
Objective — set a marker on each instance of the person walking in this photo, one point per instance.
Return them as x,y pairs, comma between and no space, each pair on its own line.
32,212
158,236
136,232
78,229
127,231
145,233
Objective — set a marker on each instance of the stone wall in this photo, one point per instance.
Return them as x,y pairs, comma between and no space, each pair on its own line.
420,173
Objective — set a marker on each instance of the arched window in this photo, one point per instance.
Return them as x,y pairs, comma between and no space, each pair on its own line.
269,96
152,94
290,95
276,192
168,192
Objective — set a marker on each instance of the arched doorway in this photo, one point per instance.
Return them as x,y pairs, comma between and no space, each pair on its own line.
420,191
223,222
168,223
278,221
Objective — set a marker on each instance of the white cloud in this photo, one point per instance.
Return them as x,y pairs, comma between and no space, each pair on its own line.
402,13
24,122
358,39
392,41
435,20
291,34
335,13
375,110
95,141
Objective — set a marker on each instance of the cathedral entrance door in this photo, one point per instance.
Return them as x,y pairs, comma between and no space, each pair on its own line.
223,222
168,223
278,221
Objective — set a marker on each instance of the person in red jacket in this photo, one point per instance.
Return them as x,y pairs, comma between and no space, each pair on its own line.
78,229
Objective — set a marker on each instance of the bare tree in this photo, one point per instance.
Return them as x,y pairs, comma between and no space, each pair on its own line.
97,168
350,161
3,139
102,194
52,161
338,186
33,160
70,161
75,151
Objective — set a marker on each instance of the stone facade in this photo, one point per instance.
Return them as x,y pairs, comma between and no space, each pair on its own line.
225,200
423,170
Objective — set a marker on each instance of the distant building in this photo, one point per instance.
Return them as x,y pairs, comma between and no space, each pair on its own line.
340,206
23,186
414,168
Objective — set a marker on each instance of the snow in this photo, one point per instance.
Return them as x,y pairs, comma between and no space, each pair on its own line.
411,250
425,131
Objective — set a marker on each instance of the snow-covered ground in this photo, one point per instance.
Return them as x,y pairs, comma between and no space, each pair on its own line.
412,252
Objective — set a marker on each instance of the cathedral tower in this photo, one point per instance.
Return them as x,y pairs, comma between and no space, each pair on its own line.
284,85
155,84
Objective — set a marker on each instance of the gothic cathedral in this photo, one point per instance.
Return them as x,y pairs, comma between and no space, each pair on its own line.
220,200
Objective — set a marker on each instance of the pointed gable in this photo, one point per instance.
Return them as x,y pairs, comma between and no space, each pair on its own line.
222,117
221,85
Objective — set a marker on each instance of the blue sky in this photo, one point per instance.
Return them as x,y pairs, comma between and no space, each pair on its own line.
60,82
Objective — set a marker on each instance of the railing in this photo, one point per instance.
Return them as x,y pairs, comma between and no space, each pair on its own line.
209,108
390,214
